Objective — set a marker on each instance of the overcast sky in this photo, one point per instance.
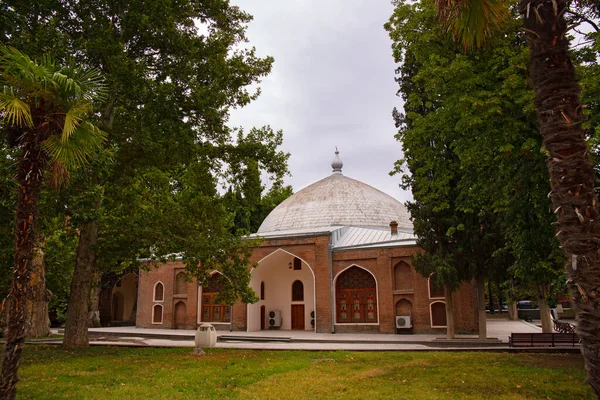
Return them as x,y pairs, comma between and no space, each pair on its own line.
332,84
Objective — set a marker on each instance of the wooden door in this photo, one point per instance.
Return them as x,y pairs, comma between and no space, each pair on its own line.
298,316
262,318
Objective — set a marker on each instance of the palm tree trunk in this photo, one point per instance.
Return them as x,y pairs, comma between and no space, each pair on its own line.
76,327
38,303
29,176
571,174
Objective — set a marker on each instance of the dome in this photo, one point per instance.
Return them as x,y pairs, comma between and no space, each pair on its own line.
336,201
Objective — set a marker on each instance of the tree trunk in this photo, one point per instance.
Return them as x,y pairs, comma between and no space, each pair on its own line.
513,313
547,325
95,301
37,306
450,330
491,297
480,280
30,174
571,175
76,327
499,287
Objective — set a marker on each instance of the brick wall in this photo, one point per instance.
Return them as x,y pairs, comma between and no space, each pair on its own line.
315,252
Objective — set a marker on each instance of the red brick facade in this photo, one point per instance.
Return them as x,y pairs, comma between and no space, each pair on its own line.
392,287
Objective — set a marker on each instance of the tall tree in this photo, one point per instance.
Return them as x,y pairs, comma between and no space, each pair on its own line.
174,70
45,110
559,109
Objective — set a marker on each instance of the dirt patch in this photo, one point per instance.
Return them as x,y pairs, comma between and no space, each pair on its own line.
552,360
373,373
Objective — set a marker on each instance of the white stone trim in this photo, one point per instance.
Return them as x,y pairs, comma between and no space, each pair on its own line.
162,313
431,315
335,297
429,287
314,283
154,292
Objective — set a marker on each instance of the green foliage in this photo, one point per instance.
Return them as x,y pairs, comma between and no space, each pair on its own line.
473,153
174,71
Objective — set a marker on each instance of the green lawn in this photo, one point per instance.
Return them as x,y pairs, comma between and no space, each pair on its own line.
145,373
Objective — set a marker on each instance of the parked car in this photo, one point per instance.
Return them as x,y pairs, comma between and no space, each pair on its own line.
526,305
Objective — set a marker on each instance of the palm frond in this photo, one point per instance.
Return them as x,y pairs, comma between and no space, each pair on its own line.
14,110
73,117
75,152
472,22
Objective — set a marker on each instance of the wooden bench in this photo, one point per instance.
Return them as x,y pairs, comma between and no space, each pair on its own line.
543,340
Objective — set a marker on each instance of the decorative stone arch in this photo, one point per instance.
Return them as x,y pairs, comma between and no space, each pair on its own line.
346,300
276,274
437,314
279,250
403,277
434,292
158,289
157,314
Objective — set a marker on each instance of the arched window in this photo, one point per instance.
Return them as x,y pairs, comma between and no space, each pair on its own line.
297,291
180,284
211,311
157,314
436,289
297,264
262,290
438,314
356,296
403,277
159,290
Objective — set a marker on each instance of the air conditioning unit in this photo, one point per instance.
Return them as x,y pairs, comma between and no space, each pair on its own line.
403,322
274,320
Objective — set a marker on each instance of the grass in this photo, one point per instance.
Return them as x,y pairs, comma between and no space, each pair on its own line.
145,373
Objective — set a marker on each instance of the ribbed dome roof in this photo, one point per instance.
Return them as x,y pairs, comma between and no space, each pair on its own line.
336,201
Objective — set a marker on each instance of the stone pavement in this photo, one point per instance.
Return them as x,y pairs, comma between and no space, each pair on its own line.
498,332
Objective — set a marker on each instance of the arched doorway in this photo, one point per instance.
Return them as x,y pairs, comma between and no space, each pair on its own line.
124,298
356,296
211,310
117,306
286,285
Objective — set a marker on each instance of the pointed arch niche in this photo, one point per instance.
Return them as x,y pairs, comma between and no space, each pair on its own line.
403,278
277,275
356,299
210,310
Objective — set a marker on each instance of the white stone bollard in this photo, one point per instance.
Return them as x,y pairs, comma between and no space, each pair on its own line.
206,336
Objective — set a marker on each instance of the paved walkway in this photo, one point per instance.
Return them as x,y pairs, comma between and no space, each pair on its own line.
498,332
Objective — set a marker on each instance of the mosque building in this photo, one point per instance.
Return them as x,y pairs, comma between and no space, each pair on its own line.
336,257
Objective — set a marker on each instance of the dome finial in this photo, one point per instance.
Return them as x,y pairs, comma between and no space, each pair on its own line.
337,164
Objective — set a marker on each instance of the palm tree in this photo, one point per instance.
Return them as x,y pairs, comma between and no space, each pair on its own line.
44,110
558,108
